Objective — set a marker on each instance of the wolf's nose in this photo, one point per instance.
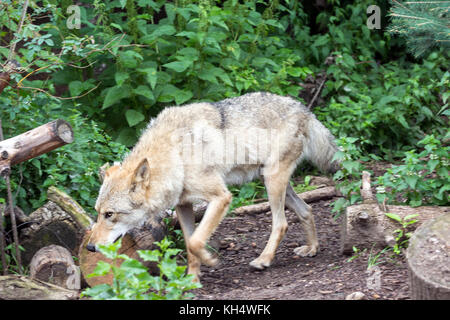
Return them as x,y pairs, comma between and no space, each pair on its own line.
90,247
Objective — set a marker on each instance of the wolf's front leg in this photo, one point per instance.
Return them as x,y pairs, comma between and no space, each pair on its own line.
186,217
217,208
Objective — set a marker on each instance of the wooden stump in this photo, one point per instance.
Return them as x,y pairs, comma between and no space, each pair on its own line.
428,257
15,287
54,264
141,238
366,225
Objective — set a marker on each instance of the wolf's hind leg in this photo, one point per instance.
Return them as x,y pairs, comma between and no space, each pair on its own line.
186,217
304,212
276,190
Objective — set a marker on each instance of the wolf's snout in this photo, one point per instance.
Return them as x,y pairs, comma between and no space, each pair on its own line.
90,247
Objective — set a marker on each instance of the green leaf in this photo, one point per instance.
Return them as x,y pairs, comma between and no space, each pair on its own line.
115,94
394,217
151,76
127,137
178,66
120,77
133,266
182,96
145,91
77,87
162,30
411,181
432,163
401,119
149,255
130,59
101,269
134,117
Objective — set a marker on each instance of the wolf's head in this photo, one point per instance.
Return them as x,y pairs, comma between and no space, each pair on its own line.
122,203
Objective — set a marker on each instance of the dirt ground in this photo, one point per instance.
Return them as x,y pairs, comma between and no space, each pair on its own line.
327,276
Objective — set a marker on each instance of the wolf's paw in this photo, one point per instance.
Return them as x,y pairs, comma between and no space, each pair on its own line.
198,249
306,251
260,263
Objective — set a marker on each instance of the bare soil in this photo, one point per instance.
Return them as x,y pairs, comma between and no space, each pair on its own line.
327,276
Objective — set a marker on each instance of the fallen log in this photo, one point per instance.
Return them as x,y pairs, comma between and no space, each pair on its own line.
14,287
141,238
366,225
308,197
54,264
34,143
428,259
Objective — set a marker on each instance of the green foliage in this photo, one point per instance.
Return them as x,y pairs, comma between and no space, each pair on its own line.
174,52
132,280
386,106
246,194
11,260
402,235
424,24
422,178
348,177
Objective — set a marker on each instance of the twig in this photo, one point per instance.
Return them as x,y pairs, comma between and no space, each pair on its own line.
19,29
317,93
2,229
12,217
61,98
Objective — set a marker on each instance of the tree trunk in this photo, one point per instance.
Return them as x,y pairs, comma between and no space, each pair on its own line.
428,257
54,264
141,238
34,143
14,287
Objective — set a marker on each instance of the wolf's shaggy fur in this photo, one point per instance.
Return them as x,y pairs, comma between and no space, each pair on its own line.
192,152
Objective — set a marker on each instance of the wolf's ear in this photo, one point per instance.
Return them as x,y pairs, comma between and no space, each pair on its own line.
142,173
102,171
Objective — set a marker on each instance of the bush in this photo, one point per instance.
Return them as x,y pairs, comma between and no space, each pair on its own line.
422,178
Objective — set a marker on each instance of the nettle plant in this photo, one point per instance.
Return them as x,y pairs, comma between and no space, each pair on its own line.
348,177
132,280
423,178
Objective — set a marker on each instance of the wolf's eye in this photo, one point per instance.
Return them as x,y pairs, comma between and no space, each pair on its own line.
108,214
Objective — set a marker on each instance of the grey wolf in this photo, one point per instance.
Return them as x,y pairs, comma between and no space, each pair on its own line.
192,152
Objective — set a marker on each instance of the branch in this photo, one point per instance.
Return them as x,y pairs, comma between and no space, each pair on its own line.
19,30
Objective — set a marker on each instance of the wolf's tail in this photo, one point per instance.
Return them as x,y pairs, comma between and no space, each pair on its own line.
320,146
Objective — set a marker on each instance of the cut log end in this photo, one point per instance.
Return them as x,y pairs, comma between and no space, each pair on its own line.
64,131
54,264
